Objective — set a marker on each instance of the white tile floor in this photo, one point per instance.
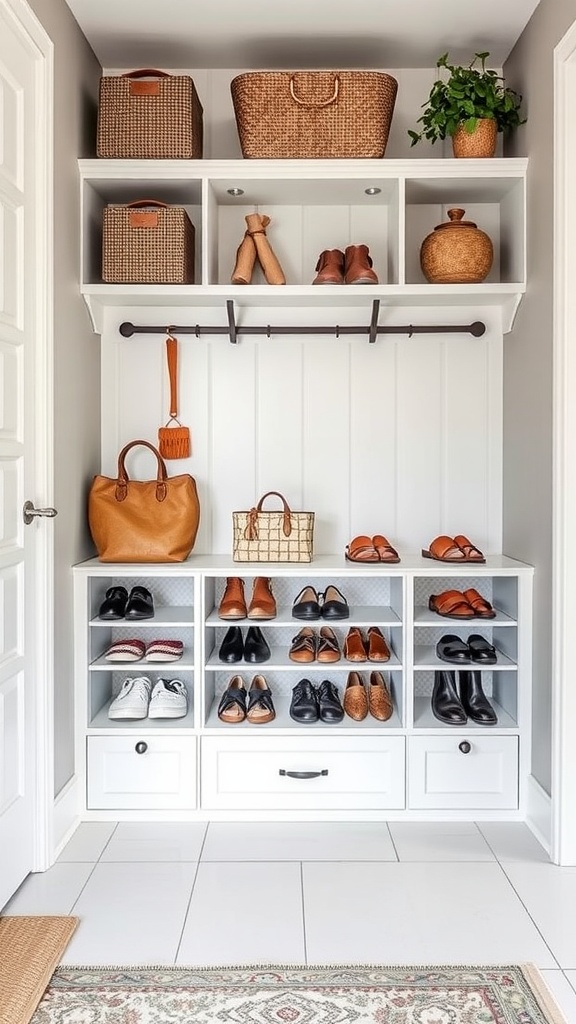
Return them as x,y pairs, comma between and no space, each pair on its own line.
232,893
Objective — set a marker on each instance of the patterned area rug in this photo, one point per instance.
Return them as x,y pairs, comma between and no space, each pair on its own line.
297,995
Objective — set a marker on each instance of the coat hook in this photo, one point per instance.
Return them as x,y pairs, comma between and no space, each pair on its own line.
231,321
373,329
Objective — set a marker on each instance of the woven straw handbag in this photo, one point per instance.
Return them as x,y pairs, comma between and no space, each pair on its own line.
278,536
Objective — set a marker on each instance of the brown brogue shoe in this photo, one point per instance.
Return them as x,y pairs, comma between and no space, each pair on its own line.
354,645
233,603
355,697
262,603
379,699
378,649
330,267
358,266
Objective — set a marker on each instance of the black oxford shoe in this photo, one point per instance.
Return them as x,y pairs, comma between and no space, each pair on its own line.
446,705
114,604
304,703
232,647
140,604
474,700
329,704
255,647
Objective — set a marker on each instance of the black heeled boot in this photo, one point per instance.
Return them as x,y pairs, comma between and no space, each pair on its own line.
474,700
446,706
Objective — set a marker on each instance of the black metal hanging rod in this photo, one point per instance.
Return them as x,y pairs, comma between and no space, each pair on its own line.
476,329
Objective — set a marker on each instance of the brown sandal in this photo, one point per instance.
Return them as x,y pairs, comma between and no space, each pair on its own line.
386,553
482,608
361,549
471,553
444,549
452,604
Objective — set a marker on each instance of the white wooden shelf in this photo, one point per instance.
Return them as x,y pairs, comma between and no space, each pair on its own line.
279,660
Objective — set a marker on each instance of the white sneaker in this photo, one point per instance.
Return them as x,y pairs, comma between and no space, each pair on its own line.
169,699
132,700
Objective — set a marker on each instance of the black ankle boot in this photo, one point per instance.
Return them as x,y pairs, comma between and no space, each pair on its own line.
474,700
446,706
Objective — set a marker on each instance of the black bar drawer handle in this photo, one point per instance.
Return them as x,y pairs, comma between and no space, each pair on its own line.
141,747
464,747
303,775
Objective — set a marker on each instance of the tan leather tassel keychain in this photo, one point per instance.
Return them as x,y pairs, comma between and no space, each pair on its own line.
173,441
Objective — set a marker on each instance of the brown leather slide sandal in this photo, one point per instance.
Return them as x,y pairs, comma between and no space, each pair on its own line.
482,608
444,549
451,604
361,549
471,553
386,553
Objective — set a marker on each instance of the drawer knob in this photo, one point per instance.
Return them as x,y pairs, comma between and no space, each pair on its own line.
464,747
141,747
303,775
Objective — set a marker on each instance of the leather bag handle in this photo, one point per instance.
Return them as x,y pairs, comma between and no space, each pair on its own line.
148,202
251,531
172,356
146,73
311,103
123,479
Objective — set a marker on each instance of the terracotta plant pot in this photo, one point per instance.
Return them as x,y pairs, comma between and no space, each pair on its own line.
477,144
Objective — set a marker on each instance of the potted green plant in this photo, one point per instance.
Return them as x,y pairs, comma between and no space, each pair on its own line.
472,105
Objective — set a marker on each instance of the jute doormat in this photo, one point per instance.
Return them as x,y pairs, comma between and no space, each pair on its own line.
298,995
30,949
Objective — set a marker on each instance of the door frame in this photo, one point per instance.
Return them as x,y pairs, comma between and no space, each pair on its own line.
40,46
564,455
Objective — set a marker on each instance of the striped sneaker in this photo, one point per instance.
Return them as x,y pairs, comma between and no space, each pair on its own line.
164,650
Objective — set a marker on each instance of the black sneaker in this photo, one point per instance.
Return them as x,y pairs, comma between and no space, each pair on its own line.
304,703
329,706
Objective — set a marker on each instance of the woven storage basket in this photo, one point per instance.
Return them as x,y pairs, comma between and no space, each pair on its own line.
148,114
147,242
313,114
456,252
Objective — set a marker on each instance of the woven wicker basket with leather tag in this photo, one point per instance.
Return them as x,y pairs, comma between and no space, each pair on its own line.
148,114
147,242
278,536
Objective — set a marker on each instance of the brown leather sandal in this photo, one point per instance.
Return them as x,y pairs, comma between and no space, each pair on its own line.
386,553
444,549
482,608
471,553
361,549
452,604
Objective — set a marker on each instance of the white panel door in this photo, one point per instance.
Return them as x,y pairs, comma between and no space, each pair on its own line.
23,462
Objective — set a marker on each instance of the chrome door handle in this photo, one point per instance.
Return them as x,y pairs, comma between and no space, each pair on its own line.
29,512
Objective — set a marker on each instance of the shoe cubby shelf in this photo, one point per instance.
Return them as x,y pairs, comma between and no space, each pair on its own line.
315,205
292,768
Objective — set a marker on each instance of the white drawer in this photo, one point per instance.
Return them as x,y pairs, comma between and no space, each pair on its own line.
141,772
302,773
463,771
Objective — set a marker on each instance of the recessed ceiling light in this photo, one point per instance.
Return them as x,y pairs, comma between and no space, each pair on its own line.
235,191
372,191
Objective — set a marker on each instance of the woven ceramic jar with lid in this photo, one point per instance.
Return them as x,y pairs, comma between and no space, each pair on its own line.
456,252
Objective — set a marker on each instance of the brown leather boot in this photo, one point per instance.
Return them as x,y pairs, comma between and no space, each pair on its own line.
358,266
233,603
330,267
262,603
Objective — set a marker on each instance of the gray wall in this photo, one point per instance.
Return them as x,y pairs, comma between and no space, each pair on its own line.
76,350
528,413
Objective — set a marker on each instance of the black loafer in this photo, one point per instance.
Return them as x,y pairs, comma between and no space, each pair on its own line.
474,700
232,647
334,605
114,604
481,650
329,704
306,604
304,703
140,604
256,649
446,704
452,648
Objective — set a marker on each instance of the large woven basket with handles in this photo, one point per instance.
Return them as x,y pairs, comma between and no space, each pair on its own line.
148,114
147,242
313,114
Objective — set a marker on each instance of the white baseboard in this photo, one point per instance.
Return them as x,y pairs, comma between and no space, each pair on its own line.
539,813
66,814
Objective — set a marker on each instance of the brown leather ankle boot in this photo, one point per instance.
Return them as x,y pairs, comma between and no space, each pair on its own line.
262,604
358,266
331,267
233,603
